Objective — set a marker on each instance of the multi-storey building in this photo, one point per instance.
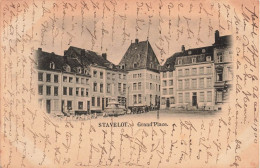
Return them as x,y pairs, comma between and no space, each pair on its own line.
201,76
143,78
223,58
78,81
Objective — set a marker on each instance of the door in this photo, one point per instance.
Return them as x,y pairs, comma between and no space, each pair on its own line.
194,99
62,106
88,106
103,103
48,106
168,103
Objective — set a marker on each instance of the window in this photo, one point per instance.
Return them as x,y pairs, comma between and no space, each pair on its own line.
172,100
170,74
119,87
139,98
134,86
108,88
79,70
209,96
180,95
82,80
164,83
80,105
101,87
164,91
40,89
101,75
68,69
208,58
124,88
64,90
77,80
220,58
82,92
203,50
134,75
124,76
119,76
209,71
48,90
95,87
151,86
164,75
180,72
65,78
48,77
171,91
40,76
187,97
179,84
135,65
135,99
193,60
77,91
87,80
219,96
201,96
139,85
187,83
170,82
208,82
201,70
94,73
108,75
139,75
163,101
201,82
87,92
70,79
56,91
85,71
179,61
52,65
229,73
69,105
194,71
187,72
56,78
113,76
194,83
98,101
93,101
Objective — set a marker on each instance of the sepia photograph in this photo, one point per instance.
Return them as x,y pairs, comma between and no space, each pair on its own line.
139,83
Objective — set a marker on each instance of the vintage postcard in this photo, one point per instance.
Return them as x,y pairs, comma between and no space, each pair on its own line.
129,83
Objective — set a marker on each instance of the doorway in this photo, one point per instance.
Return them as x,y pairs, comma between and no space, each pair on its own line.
103,103
194,99
48,106
168,102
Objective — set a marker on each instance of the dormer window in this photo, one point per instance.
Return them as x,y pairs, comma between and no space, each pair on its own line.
79,70
193,60
52,65
135,65
203,50
189,52
208,58
151,65
68,68
179,61
123,67
85,71
168,65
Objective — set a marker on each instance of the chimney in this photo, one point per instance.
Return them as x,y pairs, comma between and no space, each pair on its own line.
182,48
104,55
216,36
136,41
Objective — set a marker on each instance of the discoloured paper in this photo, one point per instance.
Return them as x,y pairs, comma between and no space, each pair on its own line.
32,137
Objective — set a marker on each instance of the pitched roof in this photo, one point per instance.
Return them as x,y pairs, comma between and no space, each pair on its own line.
87,57
187,55
44,59
140,55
